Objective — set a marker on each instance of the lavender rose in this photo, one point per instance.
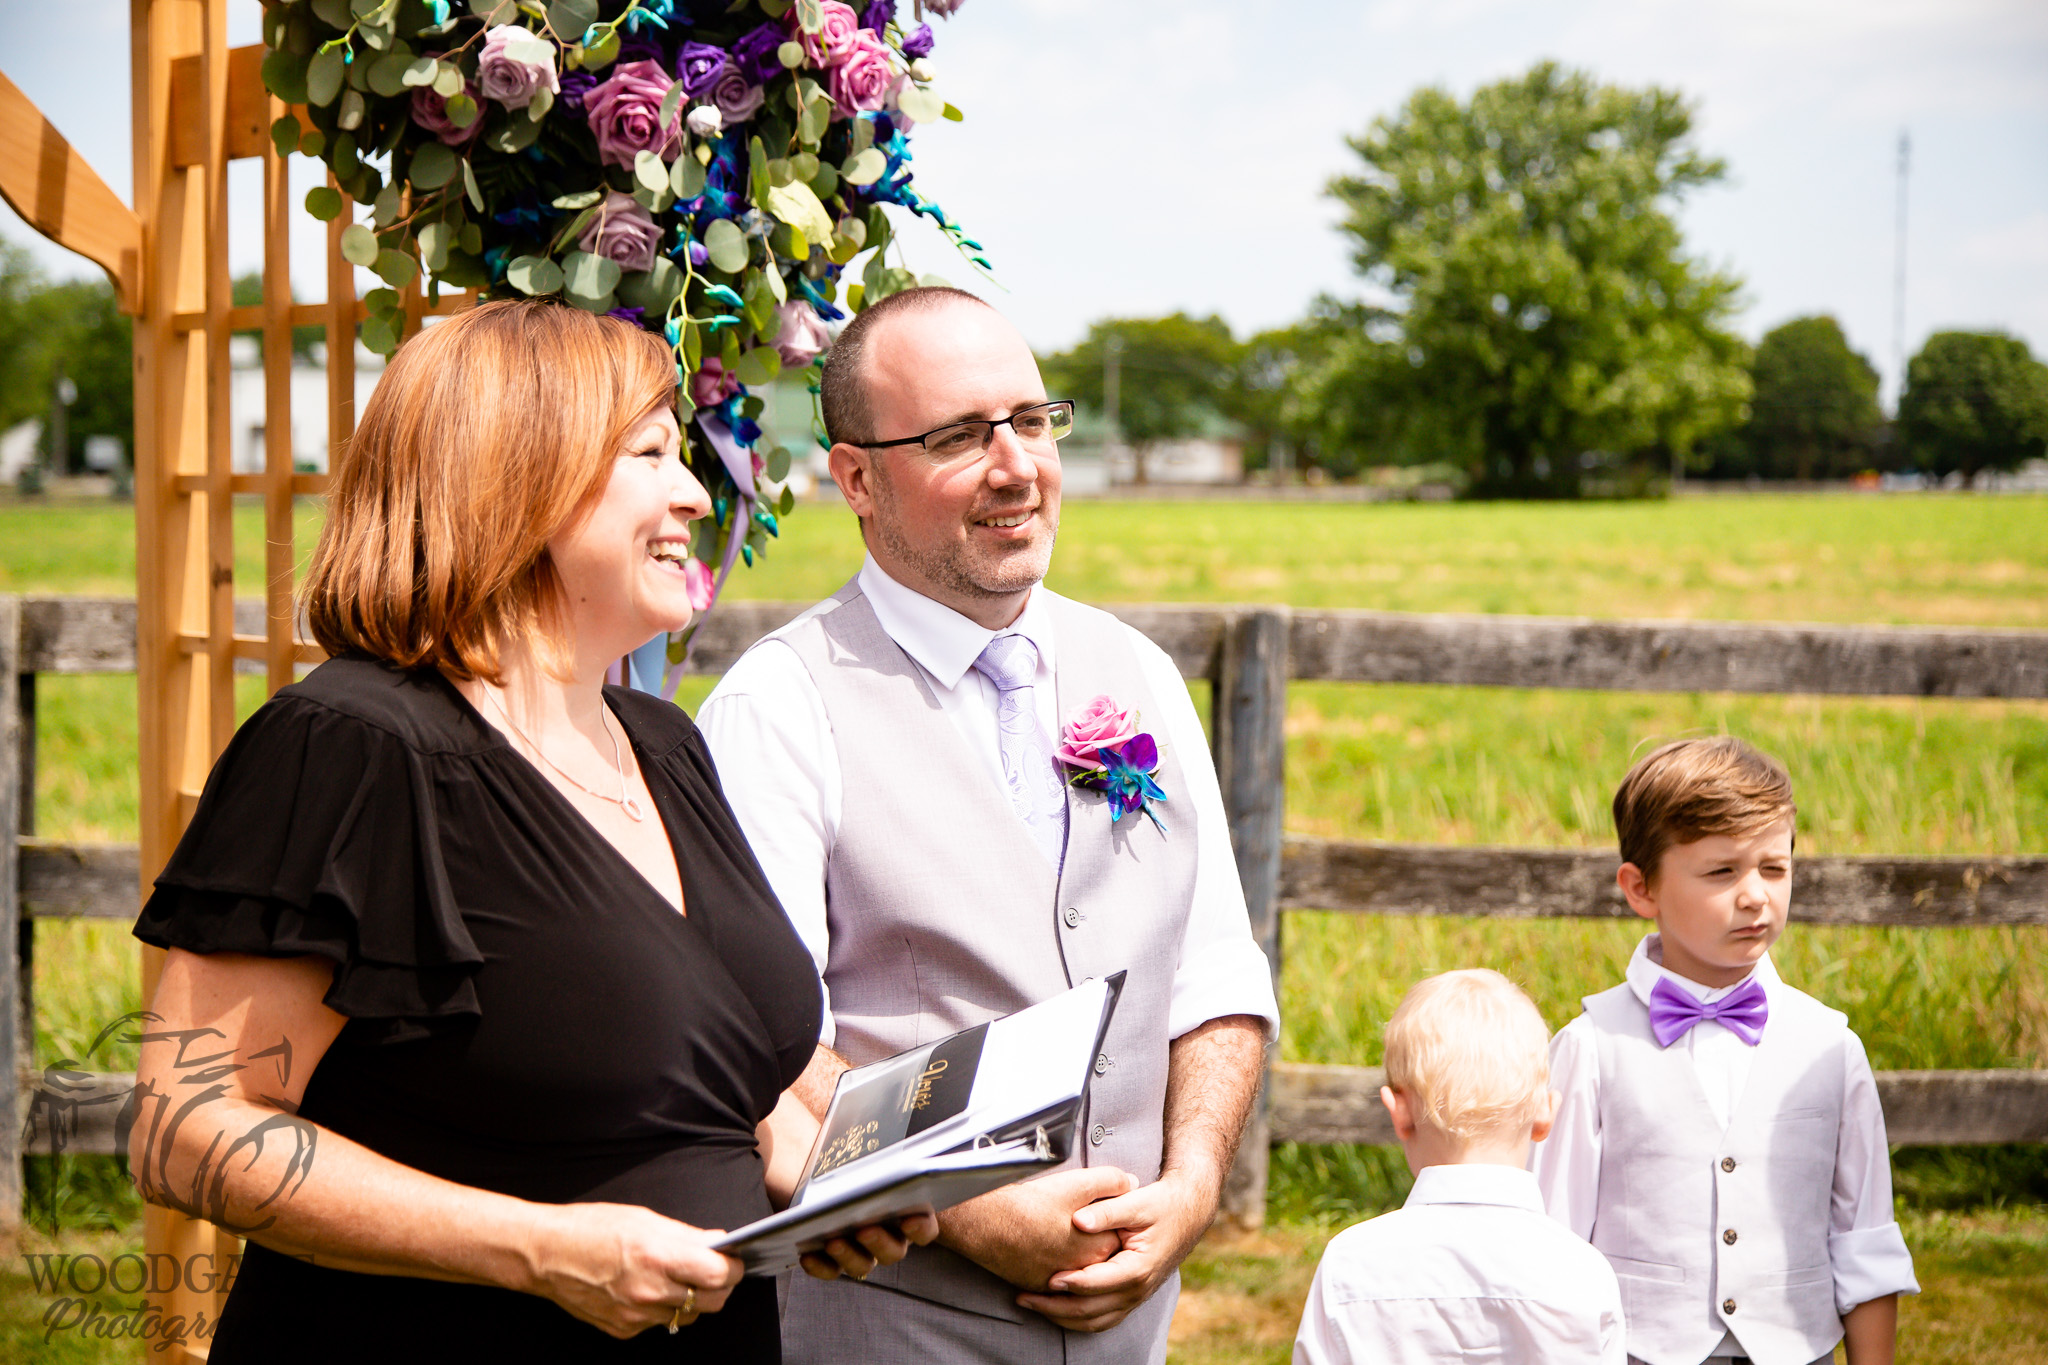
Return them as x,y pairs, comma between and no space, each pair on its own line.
829,45
624,114
754,52
622,232
711,385
430,112
919,43
802,335
515,65
945,9
1102,724
865,76
736,96
697,66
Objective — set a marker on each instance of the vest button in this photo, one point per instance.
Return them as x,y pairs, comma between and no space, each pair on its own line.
1097,1134
1727,1305
1101,1063
1729,1237
1072,917
1727,1163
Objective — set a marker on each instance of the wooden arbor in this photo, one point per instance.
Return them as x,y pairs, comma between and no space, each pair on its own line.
197,105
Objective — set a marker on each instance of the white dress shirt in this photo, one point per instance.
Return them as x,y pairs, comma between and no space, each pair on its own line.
768,731
1865,1247
1468,1269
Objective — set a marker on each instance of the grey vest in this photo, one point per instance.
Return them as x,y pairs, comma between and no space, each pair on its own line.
943,913
1736,1220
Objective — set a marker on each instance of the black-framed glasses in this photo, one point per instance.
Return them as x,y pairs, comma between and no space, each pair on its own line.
1041,424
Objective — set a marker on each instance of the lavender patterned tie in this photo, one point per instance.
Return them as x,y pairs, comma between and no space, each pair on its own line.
1029,773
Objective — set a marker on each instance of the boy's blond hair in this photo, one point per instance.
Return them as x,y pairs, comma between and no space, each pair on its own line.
1692,788
1472,1053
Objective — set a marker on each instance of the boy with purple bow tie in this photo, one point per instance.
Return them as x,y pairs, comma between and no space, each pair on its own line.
1718,1135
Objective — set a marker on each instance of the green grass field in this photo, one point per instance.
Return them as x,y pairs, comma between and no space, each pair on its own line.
1451,765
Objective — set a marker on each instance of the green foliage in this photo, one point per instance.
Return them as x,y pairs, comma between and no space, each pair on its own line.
1974,401
1543,306
73,328
1177,375
1814,413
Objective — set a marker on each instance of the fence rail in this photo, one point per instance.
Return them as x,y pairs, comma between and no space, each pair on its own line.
1249,654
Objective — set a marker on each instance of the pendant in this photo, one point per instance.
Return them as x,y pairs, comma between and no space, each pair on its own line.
631,805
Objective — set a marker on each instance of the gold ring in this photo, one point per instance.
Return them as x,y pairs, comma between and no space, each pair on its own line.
675,1319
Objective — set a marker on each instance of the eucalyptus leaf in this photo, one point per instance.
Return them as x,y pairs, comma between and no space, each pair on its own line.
464,270
284,75
542,101
854,296
514,135
323,76
476,198
670,103
790,55
471,238
363,9
312,142
865,168
933,282
435,239
600,304
433,166
284,135
727,245
780,172
650,171
324,203
953,114
382,301
335,13
825,183
448,82
863,135
396,268
534,275
798,206
384,211
653,289
778,463
786,503
686,178
693,346
568,18
811,124
573,202
422,71
810,15
656,202
378,36
776,288
388,73
461,110
575,228
603,52
758,366
349,116
379,335
359,245
589,276
920,104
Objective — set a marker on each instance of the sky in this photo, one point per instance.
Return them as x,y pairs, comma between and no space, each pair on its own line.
1129,160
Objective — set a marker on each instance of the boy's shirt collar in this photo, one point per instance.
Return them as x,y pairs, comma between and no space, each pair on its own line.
1476,1183
1647,967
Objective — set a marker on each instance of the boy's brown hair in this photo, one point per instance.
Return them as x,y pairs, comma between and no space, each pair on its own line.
1692,788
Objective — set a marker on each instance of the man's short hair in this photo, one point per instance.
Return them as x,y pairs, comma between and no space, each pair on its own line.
1693,788
1471,1052
843,395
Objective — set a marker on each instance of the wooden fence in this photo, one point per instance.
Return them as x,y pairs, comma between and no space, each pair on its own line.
1248,655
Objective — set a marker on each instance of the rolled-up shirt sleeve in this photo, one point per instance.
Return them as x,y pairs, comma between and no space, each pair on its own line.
1567,1163
772,741
1865,1246
1222,970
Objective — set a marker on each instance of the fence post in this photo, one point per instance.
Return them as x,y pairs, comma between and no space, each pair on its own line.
1249,714
12,800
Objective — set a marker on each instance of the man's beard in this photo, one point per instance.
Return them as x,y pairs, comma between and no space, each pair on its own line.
949,567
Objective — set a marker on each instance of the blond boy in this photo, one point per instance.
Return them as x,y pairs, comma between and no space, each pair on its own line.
1718,1133
1469,1268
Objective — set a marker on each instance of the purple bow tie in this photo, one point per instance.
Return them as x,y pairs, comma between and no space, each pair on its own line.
1673,1011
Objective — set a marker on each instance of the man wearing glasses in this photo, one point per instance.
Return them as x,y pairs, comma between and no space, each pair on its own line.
890,755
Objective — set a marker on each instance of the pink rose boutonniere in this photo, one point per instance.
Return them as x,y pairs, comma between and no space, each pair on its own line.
1103,750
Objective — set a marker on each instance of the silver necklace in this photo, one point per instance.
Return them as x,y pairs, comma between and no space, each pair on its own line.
625,800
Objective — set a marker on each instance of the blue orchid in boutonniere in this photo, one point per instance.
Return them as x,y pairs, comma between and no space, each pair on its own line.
1103,750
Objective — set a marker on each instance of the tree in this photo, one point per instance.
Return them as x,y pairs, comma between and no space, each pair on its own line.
71,328
1543,306
1974,401
1176,374
1814,414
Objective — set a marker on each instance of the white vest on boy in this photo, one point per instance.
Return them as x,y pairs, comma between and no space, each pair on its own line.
944,913
1763,1264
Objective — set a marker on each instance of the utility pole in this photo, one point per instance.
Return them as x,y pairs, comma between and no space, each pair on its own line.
1112,396
1899,278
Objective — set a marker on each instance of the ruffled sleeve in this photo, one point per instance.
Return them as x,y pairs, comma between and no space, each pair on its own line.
317,834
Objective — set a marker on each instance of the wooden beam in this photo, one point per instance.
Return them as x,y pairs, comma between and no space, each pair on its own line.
74,1113
59,195
1669,656
78,881
248,116
1324,1104
1544,883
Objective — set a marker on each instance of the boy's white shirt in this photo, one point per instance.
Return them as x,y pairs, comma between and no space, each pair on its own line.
1469,1259
1866,1251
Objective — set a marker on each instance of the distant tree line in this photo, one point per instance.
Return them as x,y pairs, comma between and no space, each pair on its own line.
1534,327
70,329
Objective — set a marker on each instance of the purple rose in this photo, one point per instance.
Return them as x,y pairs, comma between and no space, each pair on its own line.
736,96
711,385
830,44
430,112
864,77
624,114
802,335
515,65
575,85
755,51
919,43
878,15
945,9
622,232
697,66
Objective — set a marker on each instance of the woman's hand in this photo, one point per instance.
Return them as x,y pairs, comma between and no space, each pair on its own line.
873,1245
623,1269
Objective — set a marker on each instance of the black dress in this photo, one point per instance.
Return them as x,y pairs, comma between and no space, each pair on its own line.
526,1013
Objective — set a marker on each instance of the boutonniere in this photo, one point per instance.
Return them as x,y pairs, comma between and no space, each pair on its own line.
1103,750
